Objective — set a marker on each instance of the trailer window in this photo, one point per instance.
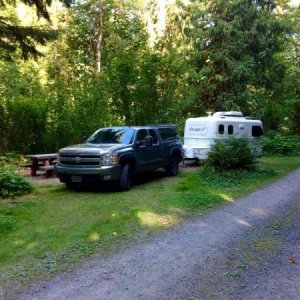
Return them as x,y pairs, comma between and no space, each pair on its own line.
257,131
230,129
221,129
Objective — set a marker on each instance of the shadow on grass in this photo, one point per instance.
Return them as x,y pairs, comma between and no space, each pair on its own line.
111,187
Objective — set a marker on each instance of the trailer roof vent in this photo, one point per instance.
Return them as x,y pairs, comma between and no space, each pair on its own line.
218,114
228,114
233,114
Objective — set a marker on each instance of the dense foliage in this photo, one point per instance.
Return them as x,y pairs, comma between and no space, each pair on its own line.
138,62
276,142
235,43
230,154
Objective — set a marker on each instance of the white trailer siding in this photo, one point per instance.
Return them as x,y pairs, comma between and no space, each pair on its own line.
201,133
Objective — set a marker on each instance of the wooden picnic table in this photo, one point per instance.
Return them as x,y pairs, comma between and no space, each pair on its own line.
43,162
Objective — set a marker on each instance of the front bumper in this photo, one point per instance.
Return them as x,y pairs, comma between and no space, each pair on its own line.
96,174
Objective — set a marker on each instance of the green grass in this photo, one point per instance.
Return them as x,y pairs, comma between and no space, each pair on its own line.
48,230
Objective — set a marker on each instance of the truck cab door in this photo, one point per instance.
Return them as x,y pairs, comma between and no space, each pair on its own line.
157,155
143,157
148,155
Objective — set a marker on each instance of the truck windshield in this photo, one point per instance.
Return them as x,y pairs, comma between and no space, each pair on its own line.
112,136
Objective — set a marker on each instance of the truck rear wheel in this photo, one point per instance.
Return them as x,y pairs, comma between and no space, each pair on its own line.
125,178
173,168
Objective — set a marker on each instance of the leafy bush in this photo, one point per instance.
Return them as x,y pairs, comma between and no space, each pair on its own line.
230,154
278,143
12,184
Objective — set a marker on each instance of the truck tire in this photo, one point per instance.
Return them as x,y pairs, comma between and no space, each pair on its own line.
173,168
125,178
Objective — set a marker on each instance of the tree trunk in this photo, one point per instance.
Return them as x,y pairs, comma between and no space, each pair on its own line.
96,32
98,50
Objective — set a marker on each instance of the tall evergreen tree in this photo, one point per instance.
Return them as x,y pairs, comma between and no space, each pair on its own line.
234,46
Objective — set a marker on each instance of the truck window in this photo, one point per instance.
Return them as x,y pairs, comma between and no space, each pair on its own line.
230,129
168,133
112,136
257,131
154,136
221,129
141,135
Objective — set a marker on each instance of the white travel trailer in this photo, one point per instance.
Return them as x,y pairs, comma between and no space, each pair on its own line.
201,133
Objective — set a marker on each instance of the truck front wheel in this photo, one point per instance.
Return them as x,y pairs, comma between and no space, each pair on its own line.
173,168
125,178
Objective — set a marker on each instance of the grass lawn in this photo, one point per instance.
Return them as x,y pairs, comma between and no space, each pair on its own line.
48,230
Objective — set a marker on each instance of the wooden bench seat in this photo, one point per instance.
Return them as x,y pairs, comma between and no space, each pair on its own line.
26,165
29,165
48,169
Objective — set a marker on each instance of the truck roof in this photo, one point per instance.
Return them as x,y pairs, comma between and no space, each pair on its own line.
144,126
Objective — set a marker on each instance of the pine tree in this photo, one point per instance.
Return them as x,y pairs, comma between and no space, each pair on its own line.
234,46
14,36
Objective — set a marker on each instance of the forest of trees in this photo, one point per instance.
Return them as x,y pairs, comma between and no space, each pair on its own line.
69,68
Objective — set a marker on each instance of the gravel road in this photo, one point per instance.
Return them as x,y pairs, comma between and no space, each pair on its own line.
239,251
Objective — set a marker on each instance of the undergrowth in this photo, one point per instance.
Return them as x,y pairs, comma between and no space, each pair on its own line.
226,178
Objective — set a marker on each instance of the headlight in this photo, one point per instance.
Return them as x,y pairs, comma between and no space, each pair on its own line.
58,157
109,159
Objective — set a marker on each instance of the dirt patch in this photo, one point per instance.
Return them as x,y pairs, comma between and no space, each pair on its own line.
40,178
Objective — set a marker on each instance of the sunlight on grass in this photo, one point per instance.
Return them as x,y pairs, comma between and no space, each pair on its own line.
150,219
19,242
95,236
226,197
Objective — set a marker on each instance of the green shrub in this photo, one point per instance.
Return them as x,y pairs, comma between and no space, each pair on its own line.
12,184
230,154
278,143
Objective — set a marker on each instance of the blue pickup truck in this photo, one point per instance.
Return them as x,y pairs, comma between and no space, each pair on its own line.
118,153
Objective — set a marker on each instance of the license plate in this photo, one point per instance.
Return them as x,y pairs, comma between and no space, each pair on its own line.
76,179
